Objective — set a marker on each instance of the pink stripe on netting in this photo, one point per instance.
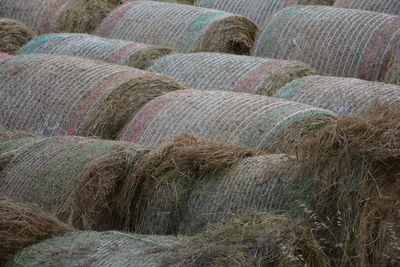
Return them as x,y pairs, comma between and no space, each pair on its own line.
4,57
288,3
109,23
377,54
250,82
82,109
122,54
134,130
342,3
53,14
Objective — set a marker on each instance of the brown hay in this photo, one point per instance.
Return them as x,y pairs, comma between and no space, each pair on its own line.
13,35
356,161
22,225
12,135
144,58
184,157
316,2
83,16
253,240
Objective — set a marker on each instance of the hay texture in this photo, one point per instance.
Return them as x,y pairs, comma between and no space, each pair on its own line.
393,72
53,95
335,41
22,225
356,163
11,135
135,55
13,35
214,71
263,123
381,6
344,96
4,57
258,240
186,28
75,178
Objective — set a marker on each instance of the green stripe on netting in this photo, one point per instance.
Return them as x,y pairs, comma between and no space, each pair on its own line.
194,31
33,45
289,91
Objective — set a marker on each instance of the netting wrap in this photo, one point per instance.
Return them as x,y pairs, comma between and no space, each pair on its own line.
263,123
382,6
133,54
393,72
4,57
186,28
213,71
335,41
53,95
344,96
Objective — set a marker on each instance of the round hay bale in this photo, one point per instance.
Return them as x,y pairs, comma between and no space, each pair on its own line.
13,35
22,225
263,123
259,11
184,2
12,135
257,240
335,41
344,96
381,6
135,55
186,28
214,71
75,178
4,57
393,72
61,95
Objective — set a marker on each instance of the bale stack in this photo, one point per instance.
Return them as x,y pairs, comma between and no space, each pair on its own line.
186,28
135,55
258,11
393,72
381,6
344,96
75,178
13,35
263,123
53,95
214,71
45,16
335,41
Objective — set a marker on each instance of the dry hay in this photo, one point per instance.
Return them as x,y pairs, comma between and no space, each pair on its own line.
135,55
259,11
13,35
344,96
393,72
54,94
381,6
214,71
255,240
12,135
22,225
259,122
4,57
335,41
186,28
356,166
75,178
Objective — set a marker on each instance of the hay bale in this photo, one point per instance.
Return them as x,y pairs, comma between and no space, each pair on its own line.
186,28
344,96
4,57
263,123
381,6
334,41
356,163
75,178
13,35
258,240
184,2
259,11
12,135
22,225
135,55
53,95
214,71
393,72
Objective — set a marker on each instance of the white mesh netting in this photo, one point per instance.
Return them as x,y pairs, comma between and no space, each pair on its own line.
382,6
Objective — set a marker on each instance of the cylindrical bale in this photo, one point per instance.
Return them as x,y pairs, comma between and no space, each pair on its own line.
13,35
186,28
259,11
75,178
393,71
214,71
133,54
381,6
335,41
55,94
22,225
344,96
259,122
184,2
4,57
